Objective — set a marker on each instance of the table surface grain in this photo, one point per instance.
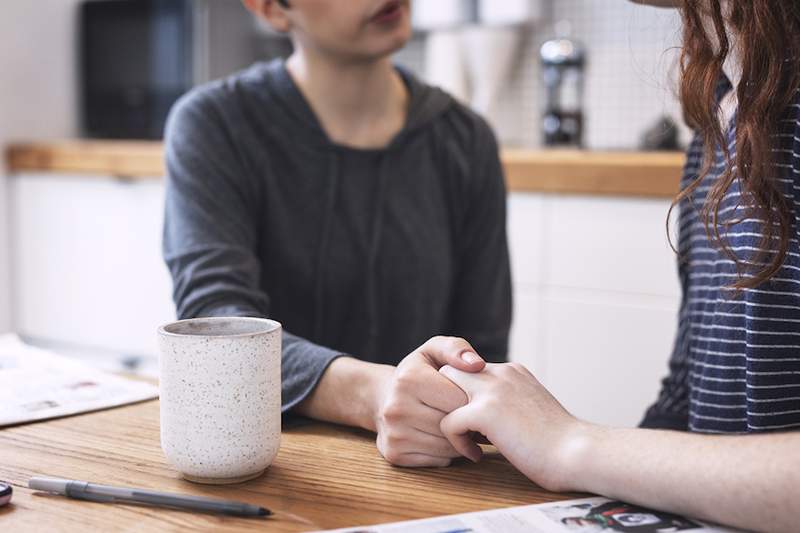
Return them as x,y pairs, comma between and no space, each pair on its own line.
324,477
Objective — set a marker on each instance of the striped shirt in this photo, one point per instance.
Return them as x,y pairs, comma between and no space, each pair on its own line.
735,366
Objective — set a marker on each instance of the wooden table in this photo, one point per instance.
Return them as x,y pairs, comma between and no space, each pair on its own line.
323,477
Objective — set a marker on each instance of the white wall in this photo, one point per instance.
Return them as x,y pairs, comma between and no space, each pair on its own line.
37,92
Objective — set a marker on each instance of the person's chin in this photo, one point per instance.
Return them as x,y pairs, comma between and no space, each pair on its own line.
388,44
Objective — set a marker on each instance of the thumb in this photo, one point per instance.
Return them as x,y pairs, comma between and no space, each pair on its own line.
453,351
456,428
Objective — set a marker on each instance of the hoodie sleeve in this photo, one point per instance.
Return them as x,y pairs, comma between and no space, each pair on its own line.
210,236
482,305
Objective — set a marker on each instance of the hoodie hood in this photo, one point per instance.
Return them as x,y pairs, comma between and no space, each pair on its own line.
294,114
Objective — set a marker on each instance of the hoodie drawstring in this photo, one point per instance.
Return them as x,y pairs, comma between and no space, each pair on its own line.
322,247
374,246
372,300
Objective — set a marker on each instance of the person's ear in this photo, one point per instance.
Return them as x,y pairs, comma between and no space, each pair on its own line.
270,11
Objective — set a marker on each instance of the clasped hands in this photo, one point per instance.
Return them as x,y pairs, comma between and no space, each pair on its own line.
443,394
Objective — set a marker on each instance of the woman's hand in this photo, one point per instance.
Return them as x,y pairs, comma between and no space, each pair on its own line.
521,418
411,402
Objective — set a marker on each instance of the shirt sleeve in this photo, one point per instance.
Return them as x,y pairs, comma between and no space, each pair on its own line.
482,301
211,231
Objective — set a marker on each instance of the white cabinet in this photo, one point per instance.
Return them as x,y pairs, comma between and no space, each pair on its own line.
596,300
86,261
595,288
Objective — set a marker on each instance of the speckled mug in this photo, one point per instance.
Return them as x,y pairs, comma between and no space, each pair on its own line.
220,386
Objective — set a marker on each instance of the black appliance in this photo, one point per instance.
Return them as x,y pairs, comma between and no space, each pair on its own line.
563,67
137,59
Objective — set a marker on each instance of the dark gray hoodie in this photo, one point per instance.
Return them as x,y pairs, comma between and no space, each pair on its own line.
356,252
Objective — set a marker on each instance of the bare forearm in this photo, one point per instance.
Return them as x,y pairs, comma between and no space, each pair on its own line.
748,481
347,393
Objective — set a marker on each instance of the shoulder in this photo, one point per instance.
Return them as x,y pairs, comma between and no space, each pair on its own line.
472,151
193,113
215,106
469,130
449,120
473,144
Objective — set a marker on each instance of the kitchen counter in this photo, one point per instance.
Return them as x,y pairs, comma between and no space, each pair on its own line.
643,174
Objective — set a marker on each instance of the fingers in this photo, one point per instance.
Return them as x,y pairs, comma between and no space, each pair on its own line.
418,416
408,422
419,460
399,413
440,393
466,381
433,445
521,369
452,351
409,447
456,428
421,382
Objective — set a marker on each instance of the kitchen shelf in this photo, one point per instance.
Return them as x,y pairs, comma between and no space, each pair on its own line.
643,174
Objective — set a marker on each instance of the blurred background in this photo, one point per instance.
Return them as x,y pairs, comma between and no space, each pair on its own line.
76,59
580,92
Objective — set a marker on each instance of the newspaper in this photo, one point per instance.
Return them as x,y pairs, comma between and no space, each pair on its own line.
584,515
37,384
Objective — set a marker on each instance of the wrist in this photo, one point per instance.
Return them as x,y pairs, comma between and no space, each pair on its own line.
375,382
359,390
576,454
346,393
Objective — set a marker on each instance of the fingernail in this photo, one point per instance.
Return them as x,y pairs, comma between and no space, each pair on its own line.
470,358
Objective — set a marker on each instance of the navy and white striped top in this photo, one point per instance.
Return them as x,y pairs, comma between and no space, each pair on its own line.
735,367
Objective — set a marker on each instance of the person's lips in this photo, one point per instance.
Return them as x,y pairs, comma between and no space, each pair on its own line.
391,11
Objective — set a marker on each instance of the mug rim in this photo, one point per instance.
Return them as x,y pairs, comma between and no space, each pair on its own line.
273,325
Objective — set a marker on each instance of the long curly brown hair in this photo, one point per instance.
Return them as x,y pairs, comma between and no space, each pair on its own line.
766,34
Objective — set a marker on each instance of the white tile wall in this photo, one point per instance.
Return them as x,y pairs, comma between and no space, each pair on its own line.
632,62
630,75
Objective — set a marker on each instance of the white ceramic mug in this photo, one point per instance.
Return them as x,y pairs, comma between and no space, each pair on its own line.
220,386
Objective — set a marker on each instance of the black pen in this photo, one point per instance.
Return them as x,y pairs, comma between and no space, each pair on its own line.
83,490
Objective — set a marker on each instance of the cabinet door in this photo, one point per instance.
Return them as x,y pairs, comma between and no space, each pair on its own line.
525,242
526,237
596,299
86,263
609,244
610,305
605,354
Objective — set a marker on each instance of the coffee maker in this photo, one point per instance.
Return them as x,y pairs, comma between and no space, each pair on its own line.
563,65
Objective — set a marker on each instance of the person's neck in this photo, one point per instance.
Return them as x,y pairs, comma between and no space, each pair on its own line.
358,104
732,68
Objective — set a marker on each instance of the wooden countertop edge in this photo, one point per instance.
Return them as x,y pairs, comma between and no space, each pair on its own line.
124,159
645,174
